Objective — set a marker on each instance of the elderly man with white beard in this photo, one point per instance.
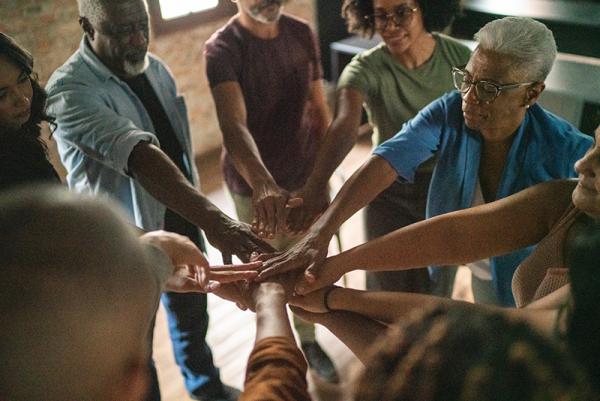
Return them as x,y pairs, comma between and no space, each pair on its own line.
123,131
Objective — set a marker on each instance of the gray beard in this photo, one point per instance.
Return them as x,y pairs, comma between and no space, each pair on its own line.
133,69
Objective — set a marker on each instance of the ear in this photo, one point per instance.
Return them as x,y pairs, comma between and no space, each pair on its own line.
533,93
134,384
87,27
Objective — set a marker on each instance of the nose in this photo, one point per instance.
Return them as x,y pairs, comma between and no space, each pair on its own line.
589,164
20,98
139,38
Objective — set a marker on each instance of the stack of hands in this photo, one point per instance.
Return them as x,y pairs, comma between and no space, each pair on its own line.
246,283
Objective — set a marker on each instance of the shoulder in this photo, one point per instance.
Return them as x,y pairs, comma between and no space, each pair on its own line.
555,128
296,24
228,36
453,49
73,72
554,197
371,58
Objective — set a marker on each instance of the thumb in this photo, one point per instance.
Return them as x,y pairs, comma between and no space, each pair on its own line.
293,203
307,281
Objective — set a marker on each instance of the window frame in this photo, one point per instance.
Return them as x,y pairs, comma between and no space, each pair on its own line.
160,25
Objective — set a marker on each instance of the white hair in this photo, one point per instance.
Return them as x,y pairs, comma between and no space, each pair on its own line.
93,10
96,10
529,43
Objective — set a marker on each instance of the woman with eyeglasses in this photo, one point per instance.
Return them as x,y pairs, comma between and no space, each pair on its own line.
393,81
23,155
491,140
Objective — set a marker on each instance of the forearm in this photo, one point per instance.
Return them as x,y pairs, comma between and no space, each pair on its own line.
356,331
163,180
335,146
457,238
383,306
338,139
271,313
245,155
362,187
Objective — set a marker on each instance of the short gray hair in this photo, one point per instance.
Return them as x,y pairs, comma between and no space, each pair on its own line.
93,10
529,43
96,10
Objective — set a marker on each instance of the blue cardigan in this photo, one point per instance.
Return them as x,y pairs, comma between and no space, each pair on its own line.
545,147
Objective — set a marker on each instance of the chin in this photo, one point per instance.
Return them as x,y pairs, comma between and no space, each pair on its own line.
133,68
590,205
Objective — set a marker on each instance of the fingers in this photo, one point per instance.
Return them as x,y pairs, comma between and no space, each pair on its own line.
231,276
294,203
239,267
309,281
260,215
180,249
278,268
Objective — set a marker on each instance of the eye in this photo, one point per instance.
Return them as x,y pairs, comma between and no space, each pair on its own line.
487,87
23,79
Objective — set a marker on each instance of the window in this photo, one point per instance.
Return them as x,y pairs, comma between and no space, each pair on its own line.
169,15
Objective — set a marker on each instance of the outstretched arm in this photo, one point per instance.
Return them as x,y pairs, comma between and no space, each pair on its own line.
455,238
385,307
162,179
269,200
356,331
335,145
373,177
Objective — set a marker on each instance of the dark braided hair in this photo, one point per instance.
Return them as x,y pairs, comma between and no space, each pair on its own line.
462,354
437,15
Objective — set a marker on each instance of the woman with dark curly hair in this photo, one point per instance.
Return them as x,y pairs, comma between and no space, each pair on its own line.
23,155
393,80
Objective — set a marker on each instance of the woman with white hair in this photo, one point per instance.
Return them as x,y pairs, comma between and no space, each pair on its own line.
491,139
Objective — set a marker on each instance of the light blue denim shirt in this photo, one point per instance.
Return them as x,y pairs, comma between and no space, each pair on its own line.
100,120
545,147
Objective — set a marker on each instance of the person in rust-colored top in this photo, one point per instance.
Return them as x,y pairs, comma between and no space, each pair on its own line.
276,368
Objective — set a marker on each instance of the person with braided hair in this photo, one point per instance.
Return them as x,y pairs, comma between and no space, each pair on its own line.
456,354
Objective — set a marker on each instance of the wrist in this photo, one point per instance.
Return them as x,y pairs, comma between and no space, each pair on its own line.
269,295
327,298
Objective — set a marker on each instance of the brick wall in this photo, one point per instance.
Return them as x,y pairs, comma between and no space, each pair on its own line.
49,29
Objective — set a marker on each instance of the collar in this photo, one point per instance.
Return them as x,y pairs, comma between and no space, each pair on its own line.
94,63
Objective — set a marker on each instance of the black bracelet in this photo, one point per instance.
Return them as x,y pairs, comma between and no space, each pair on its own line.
326,298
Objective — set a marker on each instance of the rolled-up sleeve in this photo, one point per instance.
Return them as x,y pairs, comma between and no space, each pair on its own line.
417,141
86,122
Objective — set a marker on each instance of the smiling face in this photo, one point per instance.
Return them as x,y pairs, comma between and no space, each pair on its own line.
497,120
15,95
121,40
586,195
399,37
262,11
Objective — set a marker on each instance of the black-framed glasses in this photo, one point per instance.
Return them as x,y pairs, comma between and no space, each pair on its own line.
485,91
400,16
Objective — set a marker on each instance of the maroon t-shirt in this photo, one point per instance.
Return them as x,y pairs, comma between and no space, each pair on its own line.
275,76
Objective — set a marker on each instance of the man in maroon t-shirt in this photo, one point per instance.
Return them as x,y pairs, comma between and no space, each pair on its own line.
266,79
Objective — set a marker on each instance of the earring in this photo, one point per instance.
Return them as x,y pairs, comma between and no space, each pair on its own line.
526,106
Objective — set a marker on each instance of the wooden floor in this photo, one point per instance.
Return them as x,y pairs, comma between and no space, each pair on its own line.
231,331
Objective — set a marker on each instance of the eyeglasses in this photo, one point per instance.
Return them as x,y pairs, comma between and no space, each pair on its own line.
485,91
401,16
